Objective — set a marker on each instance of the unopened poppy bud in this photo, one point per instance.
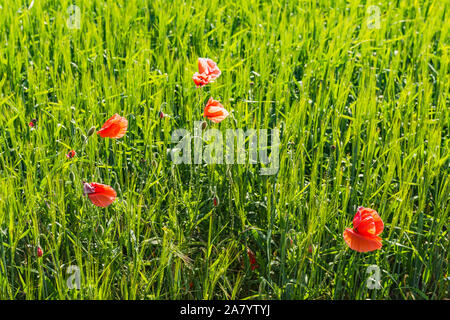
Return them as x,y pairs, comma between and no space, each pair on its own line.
39,252
161,114
215,201
91,131
71,154
204,125
290,242
252,259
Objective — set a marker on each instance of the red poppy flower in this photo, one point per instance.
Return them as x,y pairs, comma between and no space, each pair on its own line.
214,111
208,71
367,225
208,67
201,79
71,154
115,127
100,195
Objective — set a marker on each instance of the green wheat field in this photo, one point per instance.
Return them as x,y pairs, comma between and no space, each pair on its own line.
359,91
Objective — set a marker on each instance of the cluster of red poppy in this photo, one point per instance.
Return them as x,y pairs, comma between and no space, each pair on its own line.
100,194
208,71
367,224
103,195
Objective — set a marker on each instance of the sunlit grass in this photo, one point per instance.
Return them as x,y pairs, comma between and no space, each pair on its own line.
363,115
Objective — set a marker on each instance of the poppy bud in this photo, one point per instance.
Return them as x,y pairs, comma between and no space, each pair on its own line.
71,154
39,252
215,201
204,124
290,242
91,131
32,123
161,114
252,259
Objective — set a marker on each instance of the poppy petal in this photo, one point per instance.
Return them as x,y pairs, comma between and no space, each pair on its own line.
111,121
214,111
361,243
201,79
213,69
101,195
209,68
115,127
379,226
369,222
202,65
216,114
366,227
101,200
218,119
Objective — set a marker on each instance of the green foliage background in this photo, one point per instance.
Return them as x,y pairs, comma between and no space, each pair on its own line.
363,114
